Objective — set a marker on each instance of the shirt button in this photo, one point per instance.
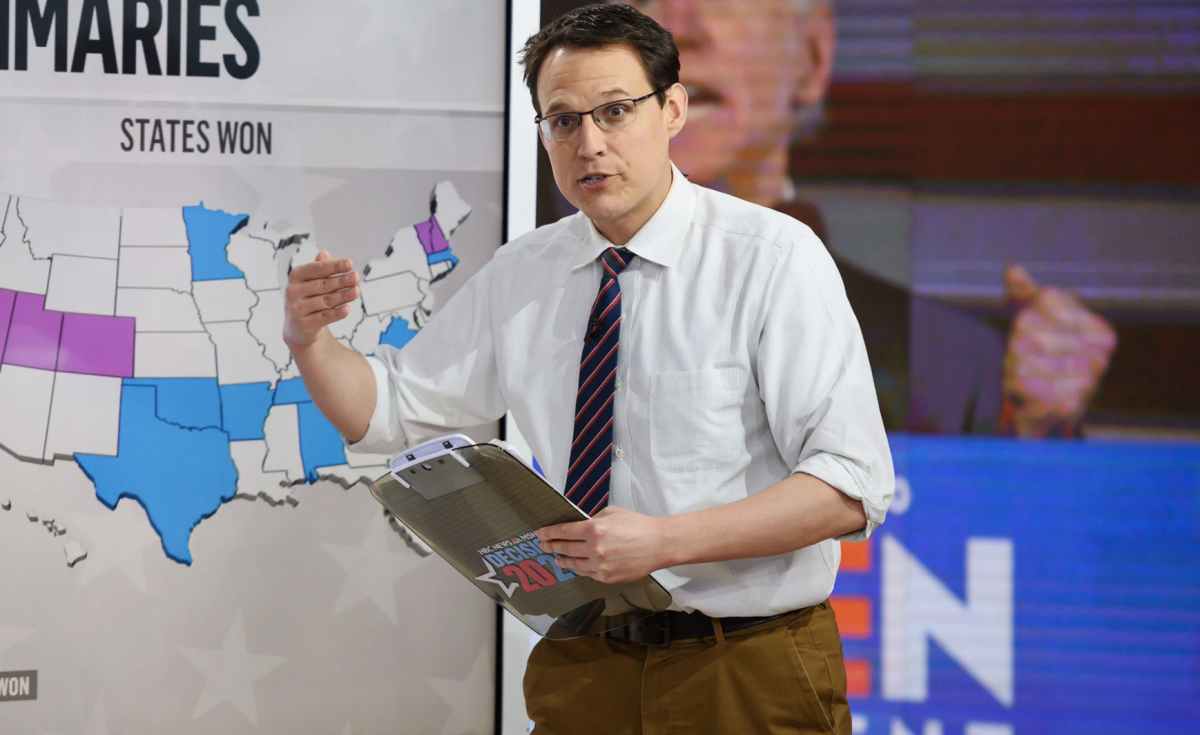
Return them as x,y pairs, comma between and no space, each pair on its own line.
620,453
618,384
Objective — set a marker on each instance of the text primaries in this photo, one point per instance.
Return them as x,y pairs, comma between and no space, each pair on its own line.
156,30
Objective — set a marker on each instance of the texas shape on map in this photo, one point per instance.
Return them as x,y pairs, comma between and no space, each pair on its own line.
146,345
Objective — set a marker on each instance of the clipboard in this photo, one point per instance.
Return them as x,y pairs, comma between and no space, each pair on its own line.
479,507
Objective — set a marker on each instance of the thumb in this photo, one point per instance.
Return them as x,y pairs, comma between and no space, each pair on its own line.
1020,289
324,255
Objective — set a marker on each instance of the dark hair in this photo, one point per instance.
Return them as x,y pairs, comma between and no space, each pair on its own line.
599,26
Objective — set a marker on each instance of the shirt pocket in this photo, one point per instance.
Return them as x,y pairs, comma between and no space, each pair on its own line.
696,419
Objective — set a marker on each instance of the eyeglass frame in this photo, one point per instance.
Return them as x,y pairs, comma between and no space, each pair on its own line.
537,120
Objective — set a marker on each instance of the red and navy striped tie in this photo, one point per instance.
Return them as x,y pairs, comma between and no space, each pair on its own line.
591,448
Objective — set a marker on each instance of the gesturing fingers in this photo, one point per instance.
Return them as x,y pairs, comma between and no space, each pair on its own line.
324,285
309,298
318,294
320,269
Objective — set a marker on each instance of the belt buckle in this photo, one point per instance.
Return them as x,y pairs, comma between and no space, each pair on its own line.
653,631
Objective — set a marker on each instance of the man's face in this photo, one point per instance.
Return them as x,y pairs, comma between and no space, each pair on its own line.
746,66
618,177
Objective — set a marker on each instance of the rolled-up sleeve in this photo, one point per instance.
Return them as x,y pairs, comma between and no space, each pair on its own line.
816,382
444,379
384,428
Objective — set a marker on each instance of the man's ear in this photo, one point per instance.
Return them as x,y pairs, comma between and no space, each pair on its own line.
675,109
818,41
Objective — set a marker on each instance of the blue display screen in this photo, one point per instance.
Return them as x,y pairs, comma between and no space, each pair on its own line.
1029,587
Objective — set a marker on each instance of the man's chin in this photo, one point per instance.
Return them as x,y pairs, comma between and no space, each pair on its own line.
601,215
600,208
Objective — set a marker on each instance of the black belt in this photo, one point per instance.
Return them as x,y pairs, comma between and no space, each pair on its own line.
658,630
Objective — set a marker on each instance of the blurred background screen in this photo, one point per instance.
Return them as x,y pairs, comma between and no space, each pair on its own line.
1011,190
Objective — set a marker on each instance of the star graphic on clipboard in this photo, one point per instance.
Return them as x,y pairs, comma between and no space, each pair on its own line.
509,589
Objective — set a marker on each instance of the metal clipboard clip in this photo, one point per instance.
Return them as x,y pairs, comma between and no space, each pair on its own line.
424,469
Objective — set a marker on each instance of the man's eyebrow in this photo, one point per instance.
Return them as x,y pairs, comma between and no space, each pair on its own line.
619,92
610,93
555,107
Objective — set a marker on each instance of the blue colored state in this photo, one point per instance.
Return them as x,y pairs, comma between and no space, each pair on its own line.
320,442
398,333
290,391
244,408
180,476
192,403
208,232
442,257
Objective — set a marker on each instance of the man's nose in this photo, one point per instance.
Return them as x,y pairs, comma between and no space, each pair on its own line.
591,138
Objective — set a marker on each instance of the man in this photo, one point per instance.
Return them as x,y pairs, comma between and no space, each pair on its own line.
685,365
757,72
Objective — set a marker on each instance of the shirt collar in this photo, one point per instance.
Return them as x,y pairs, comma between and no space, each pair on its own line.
660,239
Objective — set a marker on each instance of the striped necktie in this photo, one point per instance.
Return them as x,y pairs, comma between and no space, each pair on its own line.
591,447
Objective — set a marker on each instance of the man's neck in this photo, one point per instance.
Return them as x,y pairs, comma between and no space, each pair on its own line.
621,230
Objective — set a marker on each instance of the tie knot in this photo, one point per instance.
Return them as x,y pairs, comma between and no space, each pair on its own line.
616,260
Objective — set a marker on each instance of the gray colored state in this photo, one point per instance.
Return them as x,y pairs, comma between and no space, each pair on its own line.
5,504
74,552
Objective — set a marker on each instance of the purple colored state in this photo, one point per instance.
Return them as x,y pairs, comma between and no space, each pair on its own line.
431,237
97,345
33,334
7,300
74,343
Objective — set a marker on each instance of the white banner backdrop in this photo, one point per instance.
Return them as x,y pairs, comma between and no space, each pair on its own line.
185,546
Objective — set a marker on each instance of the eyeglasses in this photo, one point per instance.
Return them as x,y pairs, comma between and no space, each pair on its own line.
608,116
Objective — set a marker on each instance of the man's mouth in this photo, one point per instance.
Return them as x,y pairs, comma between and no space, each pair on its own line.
592,181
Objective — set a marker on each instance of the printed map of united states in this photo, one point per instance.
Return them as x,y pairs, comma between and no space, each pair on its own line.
145,345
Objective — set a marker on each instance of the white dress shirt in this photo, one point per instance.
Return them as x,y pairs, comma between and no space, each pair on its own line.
740,363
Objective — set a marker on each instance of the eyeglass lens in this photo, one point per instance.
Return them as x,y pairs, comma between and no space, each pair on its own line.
608,117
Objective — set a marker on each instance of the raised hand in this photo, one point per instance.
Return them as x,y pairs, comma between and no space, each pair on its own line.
1057,353
318,294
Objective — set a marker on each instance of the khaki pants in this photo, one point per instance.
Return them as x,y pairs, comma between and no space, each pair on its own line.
782,676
